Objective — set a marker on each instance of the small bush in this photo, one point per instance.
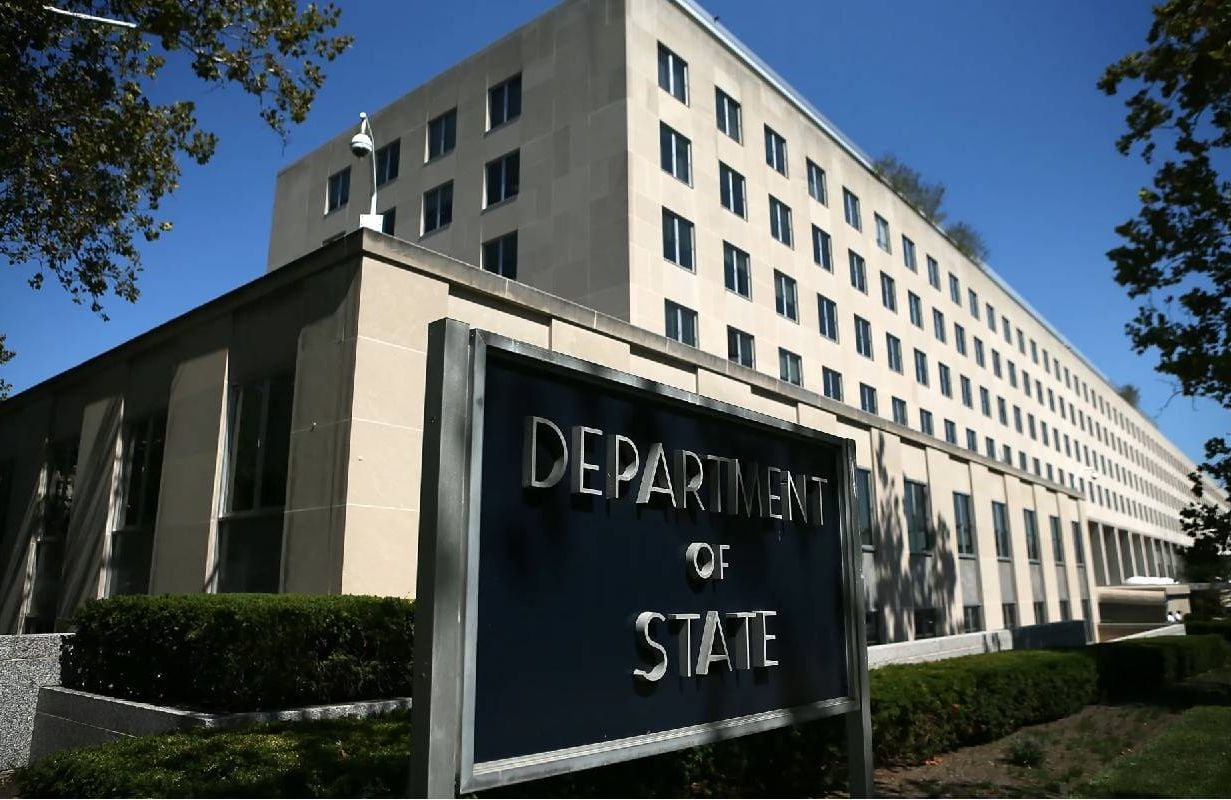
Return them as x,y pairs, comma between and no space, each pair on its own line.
1144,668
1026,752
232,653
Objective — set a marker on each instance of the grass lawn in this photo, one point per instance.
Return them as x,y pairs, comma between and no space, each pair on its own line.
1192,758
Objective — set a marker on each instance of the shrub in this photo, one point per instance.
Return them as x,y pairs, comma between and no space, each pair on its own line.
1143,668
232,653
919,710
326,758
1025,752
1221,627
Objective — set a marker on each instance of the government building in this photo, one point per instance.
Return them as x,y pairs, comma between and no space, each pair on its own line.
621,181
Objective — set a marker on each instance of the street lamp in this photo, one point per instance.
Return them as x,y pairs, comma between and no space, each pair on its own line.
362,144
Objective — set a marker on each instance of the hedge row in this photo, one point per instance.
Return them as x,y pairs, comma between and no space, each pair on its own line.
1139,669
233,653
1197,627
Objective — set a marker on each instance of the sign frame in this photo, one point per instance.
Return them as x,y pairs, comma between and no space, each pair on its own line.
442,729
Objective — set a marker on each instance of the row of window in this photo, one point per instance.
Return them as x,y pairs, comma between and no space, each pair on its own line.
673,78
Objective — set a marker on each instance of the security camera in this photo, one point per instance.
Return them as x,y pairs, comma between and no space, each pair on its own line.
361,142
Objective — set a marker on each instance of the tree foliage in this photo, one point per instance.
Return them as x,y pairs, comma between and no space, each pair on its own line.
1129,394
1175,257
928,199
87,156
6,355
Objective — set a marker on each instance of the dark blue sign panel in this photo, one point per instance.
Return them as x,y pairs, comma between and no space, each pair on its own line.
645,564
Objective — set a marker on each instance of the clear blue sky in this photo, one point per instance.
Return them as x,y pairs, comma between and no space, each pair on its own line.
997,100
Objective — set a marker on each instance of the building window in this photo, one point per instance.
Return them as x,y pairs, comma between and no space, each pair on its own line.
950,431
1032,534
831,383
882,233
678,239
735,270
964,384
504,102
132,543
908,254
730,120
733,190
972,440
790,367
893,347
925,623
933,273
817,188
1065,613
822,249
955,289
740,347
1000,527
780,221
672,74
250,526
52,534
827,312
1002,411
681,323
996,363
915,306
1057,540
1079,551
503,178
921,367
899,410
1040,612
991,317
785,297
850,207
442,134
500,255
867,398
985,401
676,153
946,381
1009,610
938,324
1008,334
979,357
963,524
973,297
337,190
863,337
889,293
388,221
387,162
863,506
972,619
859,271
437,207
775,150
925,422
918,524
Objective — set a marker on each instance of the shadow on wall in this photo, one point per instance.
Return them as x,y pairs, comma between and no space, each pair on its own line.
14,550
944,574
893,595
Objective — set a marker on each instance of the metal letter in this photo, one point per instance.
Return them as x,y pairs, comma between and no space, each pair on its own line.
736,490
530,455
814,499
643,632
685,639
649,478
722,560
714,465
760,656
686,484
743,639
770,497
577,482
791,493
711,634
617,473
702,571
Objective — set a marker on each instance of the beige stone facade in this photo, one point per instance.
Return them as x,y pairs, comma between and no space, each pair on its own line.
287,415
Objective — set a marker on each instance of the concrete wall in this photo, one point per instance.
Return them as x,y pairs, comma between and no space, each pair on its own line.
27,663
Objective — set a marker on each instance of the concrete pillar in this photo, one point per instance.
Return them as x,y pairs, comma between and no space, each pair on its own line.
182,559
